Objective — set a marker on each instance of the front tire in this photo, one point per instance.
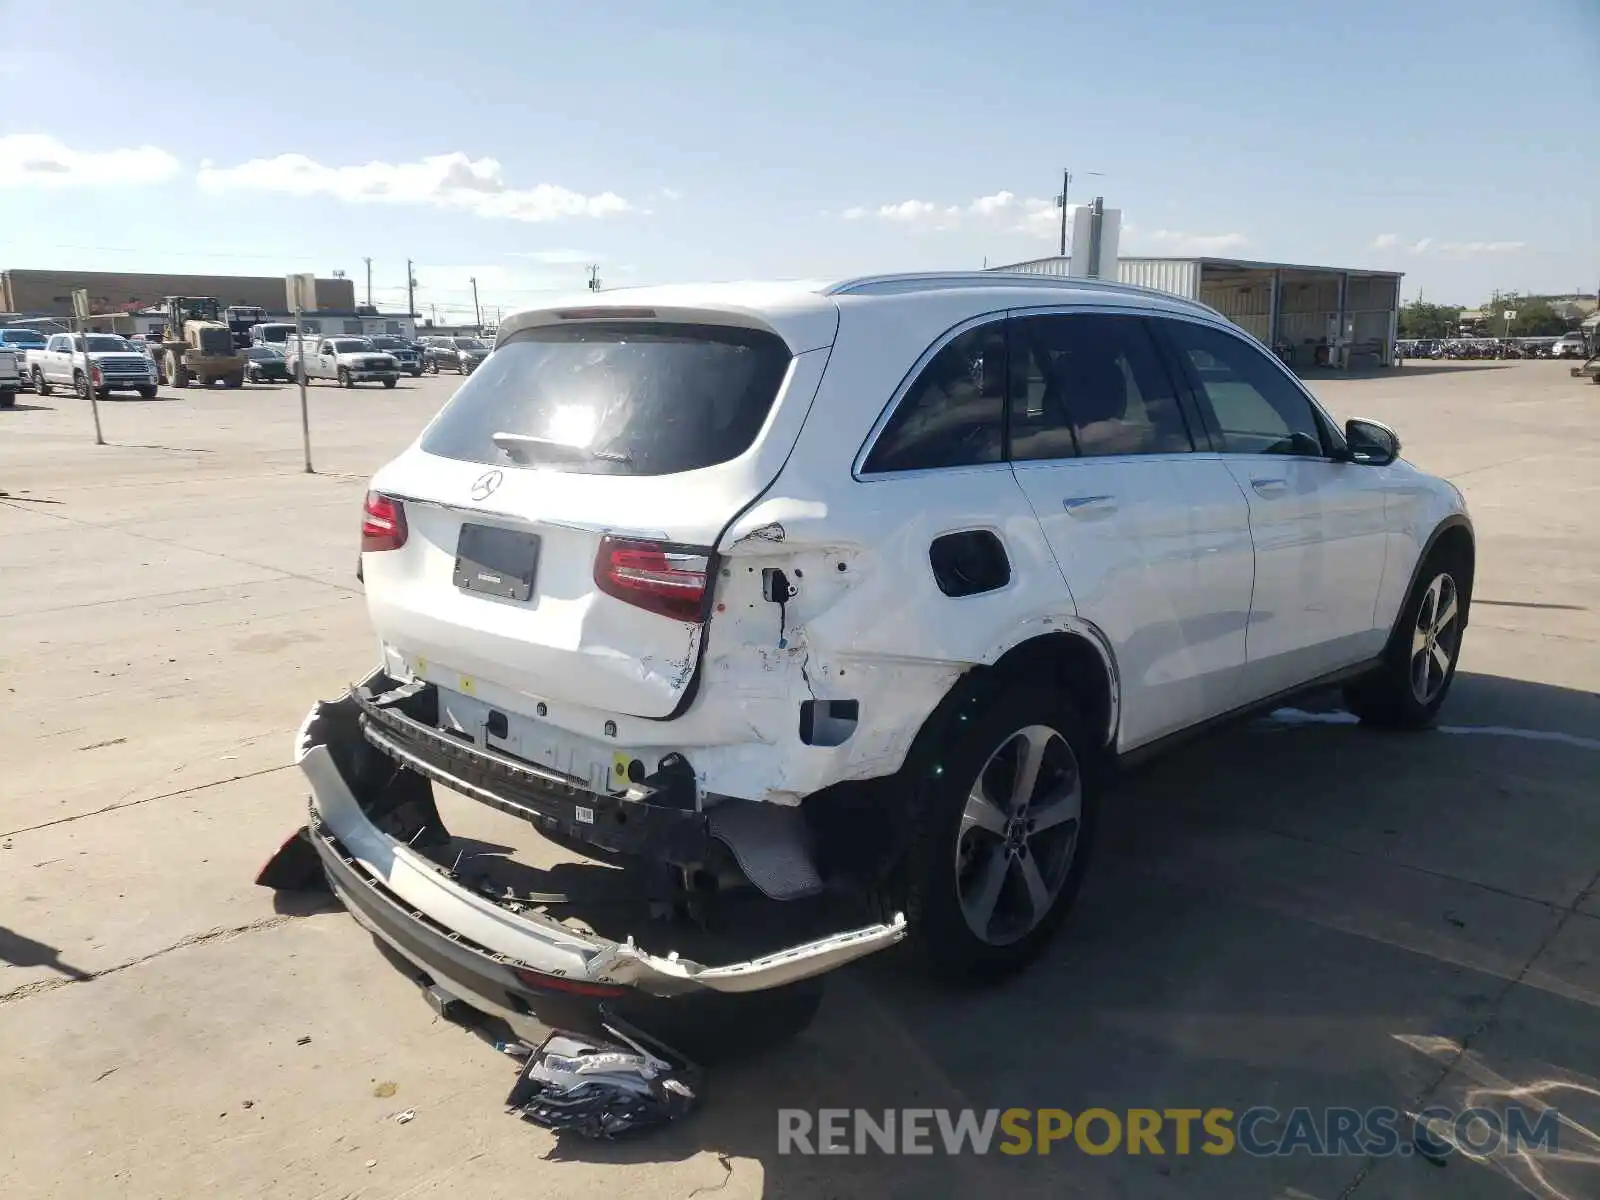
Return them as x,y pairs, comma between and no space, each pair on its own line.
344,379
39,384
1004,821
8,399
80,385
1408,689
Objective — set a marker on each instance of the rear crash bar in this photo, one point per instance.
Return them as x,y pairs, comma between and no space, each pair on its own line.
411,902
645,820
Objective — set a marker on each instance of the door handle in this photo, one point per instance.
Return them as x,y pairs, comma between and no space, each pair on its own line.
1270,487
1089,505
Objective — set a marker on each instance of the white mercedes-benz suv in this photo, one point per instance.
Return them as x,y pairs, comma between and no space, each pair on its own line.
842,598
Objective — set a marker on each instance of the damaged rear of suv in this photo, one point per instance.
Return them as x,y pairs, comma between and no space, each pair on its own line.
655,583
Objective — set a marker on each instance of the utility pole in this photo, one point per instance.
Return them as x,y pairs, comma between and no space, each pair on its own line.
368,261
411,290
1061,203
476,311
594,277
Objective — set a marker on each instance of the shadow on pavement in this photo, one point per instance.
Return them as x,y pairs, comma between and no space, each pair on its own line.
1284,914
22,951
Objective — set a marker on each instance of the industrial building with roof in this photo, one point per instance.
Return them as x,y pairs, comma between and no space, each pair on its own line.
1311,315
49,293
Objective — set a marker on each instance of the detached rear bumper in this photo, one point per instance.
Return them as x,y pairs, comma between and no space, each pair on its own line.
481,949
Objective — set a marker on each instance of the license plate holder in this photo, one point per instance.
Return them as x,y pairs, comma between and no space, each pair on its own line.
496,562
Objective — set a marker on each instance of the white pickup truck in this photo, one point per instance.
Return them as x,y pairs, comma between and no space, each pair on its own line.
114,366
349,360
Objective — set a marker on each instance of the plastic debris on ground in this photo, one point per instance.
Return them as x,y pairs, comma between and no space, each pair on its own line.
573,1083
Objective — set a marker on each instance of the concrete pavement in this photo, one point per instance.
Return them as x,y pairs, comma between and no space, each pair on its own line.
1284,914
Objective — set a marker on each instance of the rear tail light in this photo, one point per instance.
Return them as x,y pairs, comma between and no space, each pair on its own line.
383,523
573,987
655,576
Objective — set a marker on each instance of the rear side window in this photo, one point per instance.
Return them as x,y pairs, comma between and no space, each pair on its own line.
615,398
954,414
1091,384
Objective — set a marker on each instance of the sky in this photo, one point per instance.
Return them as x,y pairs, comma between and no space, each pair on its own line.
516,143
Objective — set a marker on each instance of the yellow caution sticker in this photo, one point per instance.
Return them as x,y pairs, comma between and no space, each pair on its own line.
467,688
619,770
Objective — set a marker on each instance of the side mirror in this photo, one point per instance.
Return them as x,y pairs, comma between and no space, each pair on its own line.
1371,444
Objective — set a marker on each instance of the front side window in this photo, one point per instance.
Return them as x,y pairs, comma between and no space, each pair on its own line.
954,414
1254,407
1090,384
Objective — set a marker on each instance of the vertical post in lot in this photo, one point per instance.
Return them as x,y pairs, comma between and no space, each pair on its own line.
300,372
80,309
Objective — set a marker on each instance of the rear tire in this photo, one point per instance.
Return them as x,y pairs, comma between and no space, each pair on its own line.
8,399
995,861
389,383
39,384
1419,665
147,393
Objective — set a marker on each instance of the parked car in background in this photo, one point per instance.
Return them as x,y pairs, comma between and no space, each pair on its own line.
10,376
1569,345
19,342
459,354
266,364
761,591
407,355
346,360
114,366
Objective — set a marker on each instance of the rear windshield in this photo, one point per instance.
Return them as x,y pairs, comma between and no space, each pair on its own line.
615,398
351,346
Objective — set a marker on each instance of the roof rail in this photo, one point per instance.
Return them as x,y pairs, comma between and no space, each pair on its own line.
880,285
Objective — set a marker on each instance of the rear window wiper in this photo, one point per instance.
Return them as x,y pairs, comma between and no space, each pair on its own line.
526,447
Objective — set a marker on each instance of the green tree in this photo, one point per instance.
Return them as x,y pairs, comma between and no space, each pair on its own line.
1422,320
1538,318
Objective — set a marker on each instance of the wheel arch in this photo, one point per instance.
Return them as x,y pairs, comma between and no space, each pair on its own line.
1454,534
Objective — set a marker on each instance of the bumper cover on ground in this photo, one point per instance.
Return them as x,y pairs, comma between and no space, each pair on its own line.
482,947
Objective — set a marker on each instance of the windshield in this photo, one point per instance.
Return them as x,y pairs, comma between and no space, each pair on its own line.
388,343
104,344
22,337
261,352
619,398
351,345
469,344
275,333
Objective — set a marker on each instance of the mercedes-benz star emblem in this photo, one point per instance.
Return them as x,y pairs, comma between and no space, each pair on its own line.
485,485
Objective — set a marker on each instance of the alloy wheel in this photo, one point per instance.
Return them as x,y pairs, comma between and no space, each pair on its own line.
1435,639
1019,835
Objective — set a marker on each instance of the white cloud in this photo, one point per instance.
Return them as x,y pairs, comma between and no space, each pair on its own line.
39,160
452,180
908,211
553,257
1472,248
671,194
1386,241
1178,241
854,213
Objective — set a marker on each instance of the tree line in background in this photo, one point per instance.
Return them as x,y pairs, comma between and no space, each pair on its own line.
1536,317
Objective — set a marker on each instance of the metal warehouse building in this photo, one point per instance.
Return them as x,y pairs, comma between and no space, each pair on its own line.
49,293
1312,315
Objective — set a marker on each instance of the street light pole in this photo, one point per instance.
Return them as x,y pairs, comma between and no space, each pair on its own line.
476,311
